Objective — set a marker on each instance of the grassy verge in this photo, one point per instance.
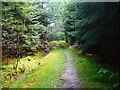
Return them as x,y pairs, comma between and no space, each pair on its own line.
25,65
87,69
47,74
93,74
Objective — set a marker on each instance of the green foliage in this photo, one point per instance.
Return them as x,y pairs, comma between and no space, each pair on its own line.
86,68
103,75
24,28
53,44
55,29
26,64
94,27
103,71
92,74
47,74
116,85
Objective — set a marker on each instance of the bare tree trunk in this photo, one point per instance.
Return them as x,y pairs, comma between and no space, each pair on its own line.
17,64
66,37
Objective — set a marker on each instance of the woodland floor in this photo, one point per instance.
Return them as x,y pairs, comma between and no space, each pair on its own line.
59,71
61,68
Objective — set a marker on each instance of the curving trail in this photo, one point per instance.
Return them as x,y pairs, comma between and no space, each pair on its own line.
69,73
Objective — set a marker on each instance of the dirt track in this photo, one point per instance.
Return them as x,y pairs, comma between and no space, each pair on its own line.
69,73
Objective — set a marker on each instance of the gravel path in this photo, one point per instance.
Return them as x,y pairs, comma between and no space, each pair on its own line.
69,73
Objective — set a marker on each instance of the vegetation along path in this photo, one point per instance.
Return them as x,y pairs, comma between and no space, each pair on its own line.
57,70
69,73
47,75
